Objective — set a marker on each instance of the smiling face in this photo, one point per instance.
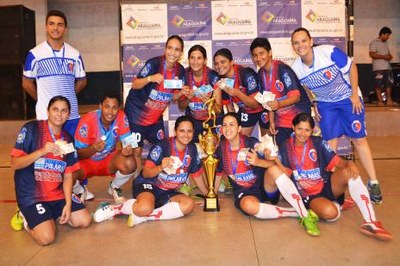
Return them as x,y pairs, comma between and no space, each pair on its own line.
262,57
57,114
302,131
173,51
231,128
109,109
223,66
302,44
184,134
55,28
197,61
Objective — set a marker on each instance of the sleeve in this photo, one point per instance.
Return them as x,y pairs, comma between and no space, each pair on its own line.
182,73
82,133
123,125
341,60
372,46
290,80
156,153
250,81
24,142
72,161
329,158
213,77
149,68
30,67
80,68
283,157
195,168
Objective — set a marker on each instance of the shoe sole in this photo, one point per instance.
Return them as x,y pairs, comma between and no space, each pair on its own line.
381,237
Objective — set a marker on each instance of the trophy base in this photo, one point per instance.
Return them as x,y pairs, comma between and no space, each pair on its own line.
211,204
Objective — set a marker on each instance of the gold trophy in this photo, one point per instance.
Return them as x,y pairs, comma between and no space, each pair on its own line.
209,143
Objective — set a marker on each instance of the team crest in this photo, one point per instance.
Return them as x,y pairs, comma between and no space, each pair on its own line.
356,126
279,85
160,134
312,154
264,117
287,80
71,66
155,153
187,160
328,74
21,136
83,131
115,131
252,84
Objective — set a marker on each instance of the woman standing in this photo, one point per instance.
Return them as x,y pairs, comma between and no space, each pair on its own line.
255,180
43,176
200,87
321,177
239,85
155,191
332,77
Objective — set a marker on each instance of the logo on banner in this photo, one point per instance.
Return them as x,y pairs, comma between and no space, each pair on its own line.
222,18
132,23
267,17
177,20
311,15
356,126
180,22
133,61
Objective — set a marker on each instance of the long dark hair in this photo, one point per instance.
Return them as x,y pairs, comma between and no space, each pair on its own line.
59,98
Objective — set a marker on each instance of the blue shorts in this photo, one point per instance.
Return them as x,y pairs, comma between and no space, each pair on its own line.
337,119
257,190
43,211
326,192
161,196
70,126
153,133
383,79
250,120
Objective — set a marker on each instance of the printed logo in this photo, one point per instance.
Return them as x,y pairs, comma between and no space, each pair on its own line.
132,23
115,131
21,136
155,153
133,61
265,117
287,80
267,17
83,131
145,70
311,15
328,74
187,160
356,126
252,83
71,66
312,154
177,20
126,122
160,134
222,18
279,85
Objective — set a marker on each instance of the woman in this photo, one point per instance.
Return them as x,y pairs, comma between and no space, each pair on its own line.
155,191
332,77
239,85
200,87
277,77
321,177
245,170
43,176
156,85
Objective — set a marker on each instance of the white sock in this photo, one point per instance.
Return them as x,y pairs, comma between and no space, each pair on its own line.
291,195
120,179
360,195
169,211
126,207
267,211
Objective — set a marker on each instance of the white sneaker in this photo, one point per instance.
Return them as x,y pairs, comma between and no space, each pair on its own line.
78,189
104,213
117,194
134,220
87,194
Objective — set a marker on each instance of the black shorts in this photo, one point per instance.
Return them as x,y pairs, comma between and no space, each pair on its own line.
327,193
383,79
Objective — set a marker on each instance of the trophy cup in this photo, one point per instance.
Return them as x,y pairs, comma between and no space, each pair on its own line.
209,143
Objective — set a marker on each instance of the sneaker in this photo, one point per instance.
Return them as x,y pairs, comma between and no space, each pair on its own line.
375,229
347,204
87,194
117,194
17,221
375,193
105,212
134,220
310,223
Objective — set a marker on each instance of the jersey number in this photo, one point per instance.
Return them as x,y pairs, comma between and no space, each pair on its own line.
244,117
40,209
148,186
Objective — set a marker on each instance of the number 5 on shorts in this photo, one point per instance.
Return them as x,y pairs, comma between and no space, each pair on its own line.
40,209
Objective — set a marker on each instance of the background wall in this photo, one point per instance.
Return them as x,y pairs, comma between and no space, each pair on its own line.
93,29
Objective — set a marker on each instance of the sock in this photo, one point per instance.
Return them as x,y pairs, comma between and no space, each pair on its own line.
120,179
291,195
339,213
267,211
373,182
169,211
126,207
360,195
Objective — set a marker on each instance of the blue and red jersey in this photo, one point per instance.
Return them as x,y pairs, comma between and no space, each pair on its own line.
283,82
243,174
189,157
90,130
145,106
196,108
42,180
246,81
310,165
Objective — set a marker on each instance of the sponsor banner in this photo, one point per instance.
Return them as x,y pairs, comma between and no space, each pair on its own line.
278,18
240,50
191,21
282,50
138,26
339,42
233,20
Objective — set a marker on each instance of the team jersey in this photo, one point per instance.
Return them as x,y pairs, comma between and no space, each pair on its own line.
189,157
240,172
42,180
90,130
329,76
55,73
145,106
246,81
283,82
196,108
310,165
